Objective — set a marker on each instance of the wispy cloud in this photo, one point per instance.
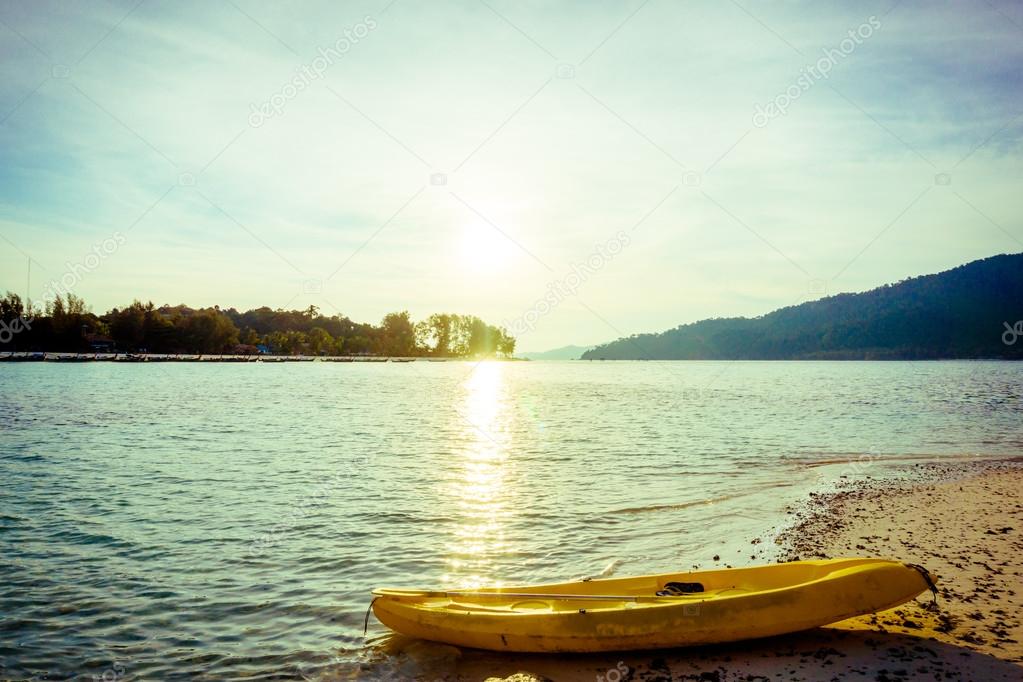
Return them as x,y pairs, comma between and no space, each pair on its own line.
562,124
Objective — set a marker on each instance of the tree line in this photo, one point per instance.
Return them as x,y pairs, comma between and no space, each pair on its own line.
67,324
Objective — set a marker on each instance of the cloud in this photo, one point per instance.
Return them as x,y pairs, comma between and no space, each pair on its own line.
153,126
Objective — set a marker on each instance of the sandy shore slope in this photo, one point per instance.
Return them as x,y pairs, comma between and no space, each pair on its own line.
963,522
969,533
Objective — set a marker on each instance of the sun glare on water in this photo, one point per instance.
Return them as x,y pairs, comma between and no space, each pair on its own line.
480,485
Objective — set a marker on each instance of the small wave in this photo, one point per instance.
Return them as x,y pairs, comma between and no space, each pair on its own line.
868,458
26,458
670,507
698,503
74,536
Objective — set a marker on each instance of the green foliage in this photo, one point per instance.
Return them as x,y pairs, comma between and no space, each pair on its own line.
435,333
398,337
11,307
959,313
69,326
66,325
462,336
207,331
290,342
322,343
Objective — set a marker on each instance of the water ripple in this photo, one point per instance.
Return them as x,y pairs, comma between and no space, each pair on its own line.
228,522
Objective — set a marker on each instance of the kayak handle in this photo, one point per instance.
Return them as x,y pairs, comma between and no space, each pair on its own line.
927,579
365,623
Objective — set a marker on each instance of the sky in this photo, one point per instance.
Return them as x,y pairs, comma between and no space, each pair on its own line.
575,171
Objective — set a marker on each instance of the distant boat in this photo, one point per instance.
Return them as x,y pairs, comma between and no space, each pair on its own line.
403,359
655,611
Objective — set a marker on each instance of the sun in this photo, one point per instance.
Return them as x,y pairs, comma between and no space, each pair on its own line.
483,248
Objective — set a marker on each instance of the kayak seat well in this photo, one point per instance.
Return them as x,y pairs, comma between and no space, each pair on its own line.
673,589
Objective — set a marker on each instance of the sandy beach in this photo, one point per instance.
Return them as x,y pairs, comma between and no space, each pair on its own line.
963,521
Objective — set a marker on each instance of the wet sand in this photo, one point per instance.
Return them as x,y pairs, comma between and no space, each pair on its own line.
964,522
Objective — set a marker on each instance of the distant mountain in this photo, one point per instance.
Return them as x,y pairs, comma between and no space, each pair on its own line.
960,313
563,353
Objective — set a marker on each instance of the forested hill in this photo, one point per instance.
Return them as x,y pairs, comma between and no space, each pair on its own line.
960,313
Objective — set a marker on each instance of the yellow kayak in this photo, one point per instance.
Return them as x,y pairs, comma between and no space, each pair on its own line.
655,611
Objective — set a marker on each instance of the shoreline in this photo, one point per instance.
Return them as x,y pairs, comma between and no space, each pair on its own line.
119,356
33,356
962,520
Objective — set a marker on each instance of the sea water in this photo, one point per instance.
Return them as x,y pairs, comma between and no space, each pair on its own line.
219,521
